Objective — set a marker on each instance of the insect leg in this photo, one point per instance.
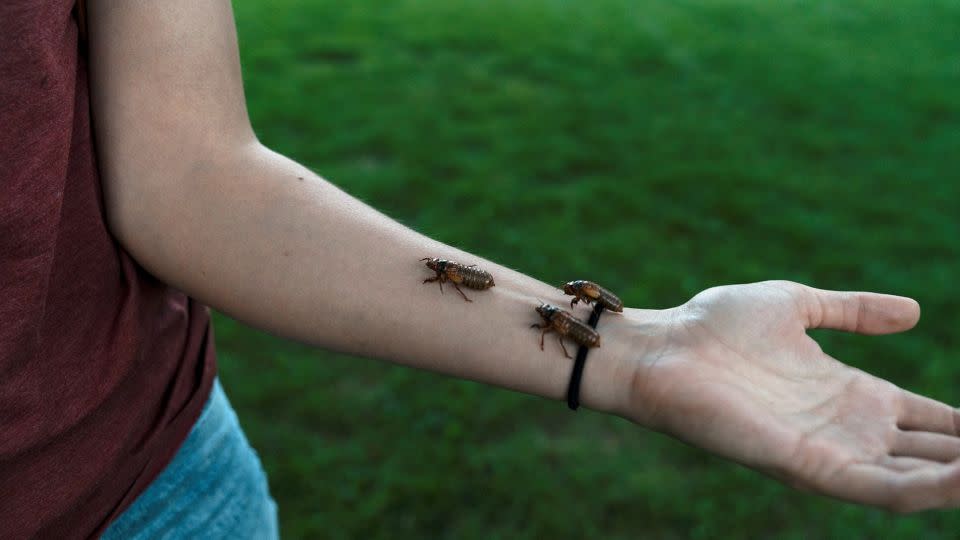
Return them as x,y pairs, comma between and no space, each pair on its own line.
546,328
459,291
439,279
560,339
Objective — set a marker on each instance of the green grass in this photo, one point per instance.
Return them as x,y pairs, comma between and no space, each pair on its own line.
684,143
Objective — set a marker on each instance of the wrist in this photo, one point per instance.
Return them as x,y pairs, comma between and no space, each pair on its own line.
614,372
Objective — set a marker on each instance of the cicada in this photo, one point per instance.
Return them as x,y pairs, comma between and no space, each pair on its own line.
565,325
458,274
589,291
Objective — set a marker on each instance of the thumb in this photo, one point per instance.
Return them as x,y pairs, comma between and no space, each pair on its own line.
860,312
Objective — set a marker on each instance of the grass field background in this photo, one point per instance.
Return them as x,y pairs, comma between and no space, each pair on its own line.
684,143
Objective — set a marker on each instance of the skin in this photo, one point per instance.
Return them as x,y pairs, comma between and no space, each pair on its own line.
199,202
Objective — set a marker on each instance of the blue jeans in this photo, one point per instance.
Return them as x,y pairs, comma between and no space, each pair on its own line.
215,487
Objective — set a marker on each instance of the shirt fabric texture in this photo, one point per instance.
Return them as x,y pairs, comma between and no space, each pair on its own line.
103,368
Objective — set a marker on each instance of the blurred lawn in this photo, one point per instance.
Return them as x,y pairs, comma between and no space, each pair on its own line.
688,143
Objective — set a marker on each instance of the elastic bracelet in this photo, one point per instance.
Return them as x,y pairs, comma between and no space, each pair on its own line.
573,389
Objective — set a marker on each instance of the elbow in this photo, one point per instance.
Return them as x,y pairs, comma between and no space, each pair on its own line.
152,200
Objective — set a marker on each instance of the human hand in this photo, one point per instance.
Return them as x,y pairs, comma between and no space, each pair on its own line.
734,372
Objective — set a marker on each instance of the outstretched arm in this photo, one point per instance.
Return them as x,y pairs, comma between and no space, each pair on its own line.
199,202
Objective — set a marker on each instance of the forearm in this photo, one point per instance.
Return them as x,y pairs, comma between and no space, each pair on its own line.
263,239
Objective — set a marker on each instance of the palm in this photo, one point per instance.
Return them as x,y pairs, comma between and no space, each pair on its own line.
740,377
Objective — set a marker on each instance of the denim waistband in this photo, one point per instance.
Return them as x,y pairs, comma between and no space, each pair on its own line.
214,487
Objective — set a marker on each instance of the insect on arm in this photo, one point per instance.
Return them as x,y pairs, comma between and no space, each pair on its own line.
458,274
565,325
589,291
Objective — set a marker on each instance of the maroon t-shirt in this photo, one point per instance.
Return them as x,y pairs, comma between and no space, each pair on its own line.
103,369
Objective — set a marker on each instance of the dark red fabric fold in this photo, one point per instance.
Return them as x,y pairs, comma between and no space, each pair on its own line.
103,368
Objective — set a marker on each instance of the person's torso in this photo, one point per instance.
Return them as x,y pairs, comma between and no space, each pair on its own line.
103,369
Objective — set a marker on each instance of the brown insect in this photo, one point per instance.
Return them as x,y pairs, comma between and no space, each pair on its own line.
565,325
458,274
589,291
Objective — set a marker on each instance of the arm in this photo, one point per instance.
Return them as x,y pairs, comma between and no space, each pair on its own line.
199,202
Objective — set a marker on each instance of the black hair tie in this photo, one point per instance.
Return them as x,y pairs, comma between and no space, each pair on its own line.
573,389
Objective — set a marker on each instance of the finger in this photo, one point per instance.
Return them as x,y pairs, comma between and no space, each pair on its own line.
901,491
920,413
926,446
898,463
861,312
